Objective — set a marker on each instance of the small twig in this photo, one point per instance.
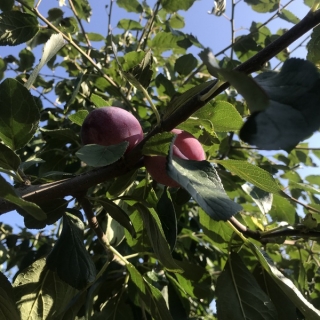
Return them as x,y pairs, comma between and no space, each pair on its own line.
109,18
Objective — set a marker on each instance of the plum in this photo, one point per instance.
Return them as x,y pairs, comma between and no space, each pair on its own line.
186,146
111,125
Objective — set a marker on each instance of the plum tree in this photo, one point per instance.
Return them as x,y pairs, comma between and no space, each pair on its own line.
186,146
111,125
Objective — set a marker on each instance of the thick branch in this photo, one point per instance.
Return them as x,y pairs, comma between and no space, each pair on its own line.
47,192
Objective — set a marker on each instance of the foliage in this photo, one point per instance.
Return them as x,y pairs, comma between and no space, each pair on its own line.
103,241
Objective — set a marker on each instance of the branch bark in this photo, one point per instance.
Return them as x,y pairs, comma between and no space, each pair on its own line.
42,193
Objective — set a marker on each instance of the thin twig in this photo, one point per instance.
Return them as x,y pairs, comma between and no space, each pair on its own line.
109,18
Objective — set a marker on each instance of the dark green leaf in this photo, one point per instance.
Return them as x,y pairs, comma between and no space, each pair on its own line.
130,5
158,144
8,193
6,5
118,214
97,156
122,183
201,180
40,293
263,6
167,216
8,159
175,5
157,237
151,296
17,27
69,257
8,309
313,47
98,101
83,9
239,295
27,60
246,47
288,16
185,64
19,114
292,114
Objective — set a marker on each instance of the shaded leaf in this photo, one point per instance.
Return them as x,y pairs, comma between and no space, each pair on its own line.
157,237
239,296
83,9
288,119
118,214
8,158
175,5
201,180
130,5
69,257
288,16
128,24
17,27
6,5
8,193
19,114
78,117
159,144
313,47
40,293
185,64
98,101
263,6
97,156
286,285
261,198
8,309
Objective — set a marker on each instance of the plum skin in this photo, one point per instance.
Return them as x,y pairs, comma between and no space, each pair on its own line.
111,125
186,146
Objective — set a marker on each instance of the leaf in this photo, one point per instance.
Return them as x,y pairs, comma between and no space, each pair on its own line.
159,144
8,193
263,6
157,237
239,296
288,16
83,9
8,309
98,101
167,216
130,5
17,27
118,214
222,114
246,47
40,294
6,5
175,5
97,156
201,180
287,286
185,64
128,24
151,296
69,257
78,117
292,114
52,46
313,47
261,198
19,114
253,174
8,158
283,210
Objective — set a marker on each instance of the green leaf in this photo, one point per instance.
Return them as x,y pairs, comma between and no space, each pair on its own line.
288,16
253,174
118,214
164,41
151,296
201,180
128,24
122,183
130,5
19,114
157,237
167,216
17,27
313,47
263,6
8,193
8,309
98,101
40,293
6,5
246,47
283,210
8,159
288,118
83,9
239,296
69,257
78,117
222,114
98,156
158,145
64,134
27,60
286,285
175,5
185,64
